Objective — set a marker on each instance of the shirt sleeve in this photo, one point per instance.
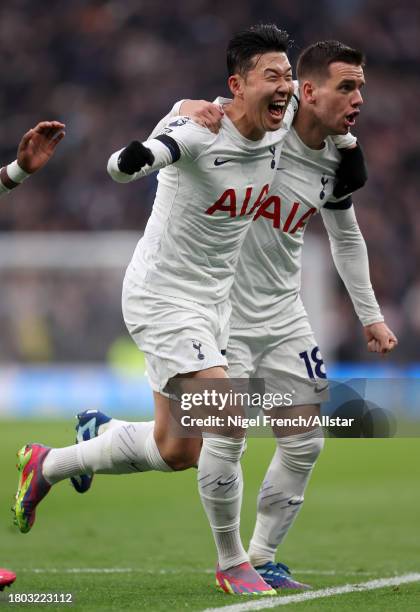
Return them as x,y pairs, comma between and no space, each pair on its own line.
350,257
174,112
180,140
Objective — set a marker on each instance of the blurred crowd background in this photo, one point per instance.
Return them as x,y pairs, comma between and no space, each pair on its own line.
110,70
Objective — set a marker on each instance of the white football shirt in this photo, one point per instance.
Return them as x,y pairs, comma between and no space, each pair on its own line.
268,276
204,204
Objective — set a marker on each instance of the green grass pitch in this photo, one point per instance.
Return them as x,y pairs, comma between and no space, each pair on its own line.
359,522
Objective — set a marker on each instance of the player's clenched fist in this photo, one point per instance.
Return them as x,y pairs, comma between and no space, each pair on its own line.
134,157
380,339
38,145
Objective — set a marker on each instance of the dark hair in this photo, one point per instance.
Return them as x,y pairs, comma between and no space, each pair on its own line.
316,59
256,40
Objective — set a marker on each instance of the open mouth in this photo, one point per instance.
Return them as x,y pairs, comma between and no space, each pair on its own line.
350,119
276,109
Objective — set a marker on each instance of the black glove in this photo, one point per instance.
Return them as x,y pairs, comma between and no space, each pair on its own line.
134,157
352,173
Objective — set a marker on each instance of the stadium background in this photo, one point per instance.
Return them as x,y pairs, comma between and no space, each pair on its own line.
110,70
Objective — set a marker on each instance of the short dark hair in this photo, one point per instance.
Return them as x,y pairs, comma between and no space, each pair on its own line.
256,40
315,60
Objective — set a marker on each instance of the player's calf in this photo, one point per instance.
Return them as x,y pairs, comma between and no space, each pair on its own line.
282,493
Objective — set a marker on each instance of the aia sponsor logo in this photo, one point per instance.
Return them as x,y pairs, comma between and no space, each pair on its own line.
263,206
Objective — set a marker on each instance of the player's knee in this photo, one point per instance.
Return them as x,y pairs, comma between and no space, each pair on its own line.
230,449
181,458
181,462
300,452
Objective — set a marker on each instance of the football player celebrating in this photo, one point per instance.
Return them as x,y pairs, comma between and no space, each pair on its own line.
271,336
176,292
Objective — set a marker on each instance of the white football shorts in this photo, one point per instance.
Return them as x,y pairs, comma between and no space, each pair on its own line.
285,354
176,335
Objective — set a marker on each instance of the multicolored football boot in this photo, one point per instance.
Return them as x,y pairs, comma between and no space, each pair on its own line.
278,576
6,578
32,486
242,580
88,423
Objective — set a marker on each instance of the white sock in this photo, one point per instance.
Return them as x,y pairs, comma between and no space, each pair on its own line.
220,485
120,450
111,425
281,494
62,463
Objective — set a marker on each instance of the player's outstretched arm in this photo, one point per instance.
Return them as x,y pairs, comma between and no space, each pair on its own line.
35,149
134,157
181,139
139,159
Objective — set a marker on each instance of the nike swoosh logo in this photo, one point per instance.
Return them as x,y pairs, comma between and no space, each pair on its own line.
317,390
220,162
294,503
222,484
281,168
